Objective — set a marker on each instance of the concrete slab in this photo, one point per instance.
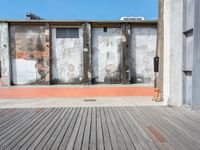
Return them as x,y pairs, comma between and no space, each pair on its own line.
78,102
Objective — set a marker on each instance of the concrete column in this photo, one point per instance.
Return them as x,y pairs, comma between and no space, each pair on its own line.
173,55
87,53
126,53
166,59
160,54
196,59
4,55
47,56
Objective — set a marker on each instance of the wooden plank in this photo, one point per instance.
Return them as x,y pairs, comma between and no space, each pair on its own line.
12,131
128,129
101,128
113,137
10,114
56,140
69,131
42,132
189,132
86,138
13,141
106,134
120,139
100,142
17,118
175,134
7,112
125,135
93,137
152,122
74,134
140,124
79,139
132,124
47,141
8,128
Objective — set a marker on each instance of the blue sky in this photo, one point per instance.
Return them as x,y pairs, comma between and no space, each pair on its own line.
79,9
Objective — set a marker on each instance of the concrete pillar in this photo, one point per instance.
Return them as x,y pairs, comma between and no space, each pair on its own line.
160,53
196,59
166,59
47,56
87,52
173,52
126,53
4,55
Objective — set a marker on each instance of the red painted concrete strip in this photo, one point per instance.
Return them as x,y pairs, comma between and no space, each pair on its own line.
75,92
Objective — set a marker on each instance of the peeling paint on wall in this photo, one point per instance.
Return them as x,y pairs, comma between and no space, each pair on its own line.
106,55
67,59
143,50
30,55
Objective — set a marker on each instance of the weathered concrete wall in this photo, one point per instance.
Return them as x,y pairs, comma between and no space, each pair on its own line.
143,50
4,55
106,55
67,59
173,52
29,54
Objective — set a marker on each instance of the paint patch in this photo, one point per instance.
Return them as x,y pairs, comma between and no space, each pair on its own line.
85,49
25,71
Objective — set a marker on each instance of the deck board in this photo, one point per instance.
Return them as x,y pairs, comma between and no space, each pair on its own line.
100,128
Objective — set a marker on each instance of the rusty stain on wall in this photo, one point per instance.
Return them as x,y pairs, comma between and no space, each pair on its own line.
29,46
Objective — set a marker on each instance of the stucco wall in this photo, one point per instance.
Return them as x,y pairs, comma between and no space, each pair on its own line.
106,55
29,54
4,55
67,59
143,50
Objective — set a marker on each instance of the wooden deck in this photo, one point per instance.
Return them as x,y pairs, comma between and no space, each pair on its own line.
109,128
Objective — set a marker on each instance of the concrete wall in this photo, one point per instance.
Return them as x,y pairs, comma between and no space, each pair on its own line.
4,55
196,58
98,55
29,54
173,52
143,50
106,55
67,59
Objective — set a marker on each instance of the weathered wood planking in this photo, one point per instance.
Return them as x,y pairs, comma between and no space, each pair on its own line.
100,128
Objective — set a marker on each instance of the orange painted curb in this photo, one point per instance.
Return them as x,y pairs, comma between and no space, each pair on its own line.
75,92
